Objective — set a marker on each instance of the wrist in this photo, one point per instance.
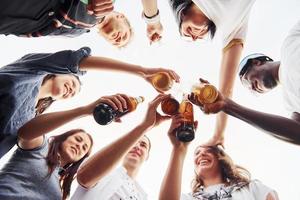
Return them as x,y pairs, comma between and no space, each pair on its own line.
152,19
180,150
228,104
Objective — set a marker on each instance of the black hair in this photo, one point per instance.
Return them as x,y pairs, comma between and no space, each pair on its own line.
249,65
181,7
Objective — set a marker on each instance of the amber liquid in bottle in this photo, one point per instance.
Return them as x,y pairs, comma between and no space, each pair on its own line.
170,106
186,131
162,81
105,114
206,93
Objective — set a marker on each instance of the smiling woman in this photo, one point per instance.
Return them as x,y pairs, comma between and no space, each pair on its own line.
217,177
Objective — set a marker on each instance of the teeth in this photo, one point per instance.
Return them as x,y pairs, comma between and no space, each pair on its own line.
204,162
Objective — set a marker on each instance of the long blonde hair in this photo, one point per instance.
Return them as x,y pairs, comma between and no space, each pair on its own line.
231,173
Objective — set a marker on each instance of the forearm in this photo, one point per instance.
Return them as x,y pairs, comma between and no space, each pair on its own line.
277,126
228,71
150,7
46,123
101,63
101,163
171,185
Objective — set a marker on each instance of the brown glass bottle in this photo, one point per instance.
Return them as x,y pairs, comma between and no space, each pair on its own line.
205,93
186,131
105,114
170,106
162,81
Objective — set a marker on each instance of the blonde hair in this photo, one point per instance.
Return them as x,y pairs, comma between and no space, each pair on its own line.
231,173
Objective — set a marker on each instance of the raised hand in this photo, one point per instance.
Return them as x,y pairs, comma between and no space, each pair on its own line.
149,73
154,32
153,118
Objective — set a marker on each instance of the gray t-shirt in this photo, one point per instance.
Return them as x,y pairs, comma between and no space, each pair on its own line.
24,176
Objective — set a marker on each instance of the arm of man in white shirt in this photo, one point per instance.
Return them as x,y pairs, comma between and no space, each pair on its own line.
102,162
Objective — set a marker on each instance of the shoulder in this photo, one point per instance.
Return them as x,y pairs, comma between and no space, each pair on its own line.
259,190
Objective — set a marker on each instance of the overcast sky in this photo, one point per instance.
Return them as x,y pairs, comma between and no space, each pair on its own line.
273,162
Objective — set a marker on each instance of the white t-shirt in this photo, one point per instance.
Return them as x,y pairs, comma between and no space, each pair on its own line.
229,16
115,186
289,70
254,191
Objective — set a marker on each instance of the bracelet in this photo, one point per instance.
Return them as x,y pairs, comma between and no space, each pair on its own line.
153,19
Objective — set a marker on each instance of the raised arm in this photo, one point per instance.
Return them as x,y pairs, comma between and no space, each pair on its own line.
101,63
30,135
229,64
171,186
151,16
101,163
280,127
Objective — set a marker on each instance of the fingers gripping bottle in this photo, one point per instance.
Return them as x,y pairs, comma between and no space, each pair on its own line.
161,81
186,131
105,114
205,92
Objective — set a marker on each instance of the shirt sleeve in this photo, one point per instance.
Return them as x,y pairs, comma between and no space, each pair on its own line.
259,190
239,34
62,62
186,197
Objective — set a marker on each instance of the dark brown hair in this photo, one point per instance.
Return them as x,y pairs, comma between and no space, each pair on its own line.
69,171
181,7
45,103
231,173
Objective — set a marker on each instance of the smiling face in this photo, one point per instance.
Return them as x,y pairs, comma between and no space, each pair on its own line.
75,147
195,24
115,29
259,78
138,153
206,162
64,86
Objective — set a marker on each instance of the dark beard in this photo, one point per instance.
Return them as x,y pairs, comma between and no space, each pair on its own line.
269,81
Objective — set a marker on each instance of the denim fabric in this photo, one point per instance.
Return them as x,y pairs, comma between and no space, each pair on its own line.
20,82
24,176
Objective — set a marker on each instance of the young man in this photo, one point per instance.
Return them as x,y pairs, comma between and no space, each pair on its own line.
64,18
261,74
99,178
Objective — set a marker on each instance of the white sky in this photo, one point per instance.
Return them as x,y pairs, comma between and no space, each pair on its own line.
273,162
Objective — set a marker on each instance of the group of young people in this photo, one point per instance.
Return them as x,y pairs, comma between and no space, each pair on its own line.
44,167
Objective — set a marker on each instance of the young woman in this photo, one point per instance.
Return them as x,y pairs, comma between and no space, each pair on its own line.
30,84
199,18
100,179
216,175
42,168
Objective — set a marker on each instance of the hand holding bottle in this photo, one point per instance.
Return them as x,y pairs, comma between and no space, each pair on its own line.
209,105
153,118
117,102
177,121
161,79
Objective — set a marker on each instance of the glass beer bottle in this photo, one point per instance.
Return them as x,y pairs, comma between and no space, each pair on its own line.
162,81
205,93
186,131
105,114
170,106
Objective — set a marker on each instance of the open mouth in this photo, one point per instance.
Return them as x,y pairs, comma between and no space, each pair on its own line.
203,162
